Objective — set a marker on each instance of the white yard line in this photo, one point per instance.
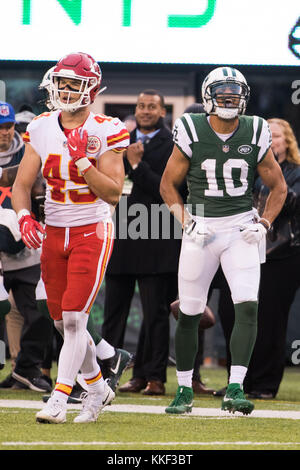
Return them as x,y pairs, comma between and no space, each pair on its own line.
204,412
170,444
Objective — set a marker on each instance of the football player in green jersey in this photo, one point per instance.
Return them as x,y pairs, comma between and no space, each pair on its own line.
219,154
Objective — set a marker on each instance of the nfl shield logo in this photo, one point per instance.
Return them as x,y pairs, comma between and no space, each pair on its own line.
4,110
225,148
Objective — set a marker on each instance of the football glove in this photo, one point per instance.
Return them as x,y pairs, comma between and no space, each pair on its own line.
29,229
253,233
199,232
77,149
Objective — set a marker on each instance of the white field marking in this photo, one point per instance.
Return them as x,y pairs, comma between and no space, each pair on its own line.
215,412
180,443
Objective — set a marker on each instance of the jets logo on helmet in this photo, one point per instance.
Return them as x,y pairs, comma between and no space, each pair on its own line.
85,72
225,93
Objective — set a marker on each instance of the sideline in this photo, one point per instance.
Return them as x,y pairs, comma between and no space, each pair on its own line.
201,412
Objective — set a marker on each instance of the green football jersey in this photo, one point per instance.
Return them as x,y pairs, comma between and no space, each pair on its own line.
221,173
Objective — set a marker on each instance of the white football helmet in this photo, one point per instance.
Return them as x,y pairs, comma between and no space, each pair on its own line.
77,66
225,93
45,85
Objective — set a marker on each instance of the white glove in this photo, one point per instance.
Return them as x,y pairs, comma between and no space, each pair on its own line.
253,233
8,217
199,232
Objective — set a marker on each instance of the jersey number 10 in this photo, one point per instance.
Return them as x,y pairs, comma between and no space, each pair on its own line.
209,166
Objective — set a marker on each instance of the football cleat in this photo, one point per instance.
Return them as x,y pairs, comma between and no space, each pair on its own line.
54,412
183,401
234,400
93,403
113,368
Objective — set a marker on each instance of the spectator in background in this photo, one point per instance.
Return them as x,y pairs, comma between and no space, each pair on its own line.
21,271
23,118
150,262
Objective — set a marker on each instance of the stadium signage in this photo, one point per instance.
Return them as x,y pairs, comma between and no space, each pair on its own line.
170,31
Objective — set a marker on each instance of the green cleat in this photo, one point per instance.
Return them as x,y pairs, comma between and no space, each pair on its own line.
183,401
234,400
113,368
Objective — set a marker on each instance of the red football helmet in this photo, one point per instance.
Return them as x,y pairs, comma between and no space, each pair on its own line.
78,66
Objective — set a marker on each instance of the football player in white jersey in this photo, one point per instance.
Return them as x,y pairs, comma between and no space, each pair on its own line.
219,152
80,156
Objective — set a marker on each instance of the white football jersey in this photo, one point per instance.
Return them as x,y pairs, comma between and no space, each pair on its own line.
66,190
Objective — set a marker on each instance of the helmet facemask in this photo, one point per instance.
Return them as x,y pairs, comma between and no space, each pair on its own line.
227,99
59,86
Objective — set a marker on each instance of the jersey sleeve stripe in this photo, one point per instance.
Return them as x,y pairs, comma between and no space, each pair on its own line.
258,132
191,126
116,138
255,125
265,141
26,137
182,138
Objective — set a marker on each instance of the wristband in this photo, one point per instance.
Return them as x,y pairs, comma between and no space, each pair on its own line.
83,164
265,223
22,213
83,172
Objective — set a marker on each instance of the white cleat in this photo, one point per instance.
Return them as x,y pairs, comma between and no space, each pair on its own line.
93,403
53,412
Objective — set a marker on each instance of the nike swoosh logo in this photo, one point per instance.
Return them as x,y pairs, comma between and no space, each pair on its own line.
114,371
227,399
106,398
73,148
88,234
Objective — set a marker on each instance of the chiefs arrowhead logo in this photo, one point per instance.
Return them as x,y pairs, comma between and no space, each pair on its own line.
93,144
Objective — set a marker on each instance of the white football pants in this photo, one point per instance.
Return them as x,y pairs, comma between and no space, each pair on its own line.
198,264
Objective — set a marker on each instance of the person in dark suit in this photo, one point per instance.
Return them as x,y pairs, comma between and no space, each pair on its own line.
145,251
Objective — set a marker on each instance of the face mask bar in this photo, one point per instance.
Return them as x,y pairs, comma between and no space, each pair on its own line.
56,89
226,95
228,98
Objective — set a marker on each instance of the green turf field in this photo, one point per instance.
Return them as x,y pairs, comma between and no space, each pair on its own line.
125,425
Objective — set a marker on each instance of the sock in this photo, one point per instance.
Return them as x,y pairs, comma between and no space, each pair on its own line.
244,332
184,377
237,374
94,381
90,368
73,350
62,389
92,330
104,350
186,341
